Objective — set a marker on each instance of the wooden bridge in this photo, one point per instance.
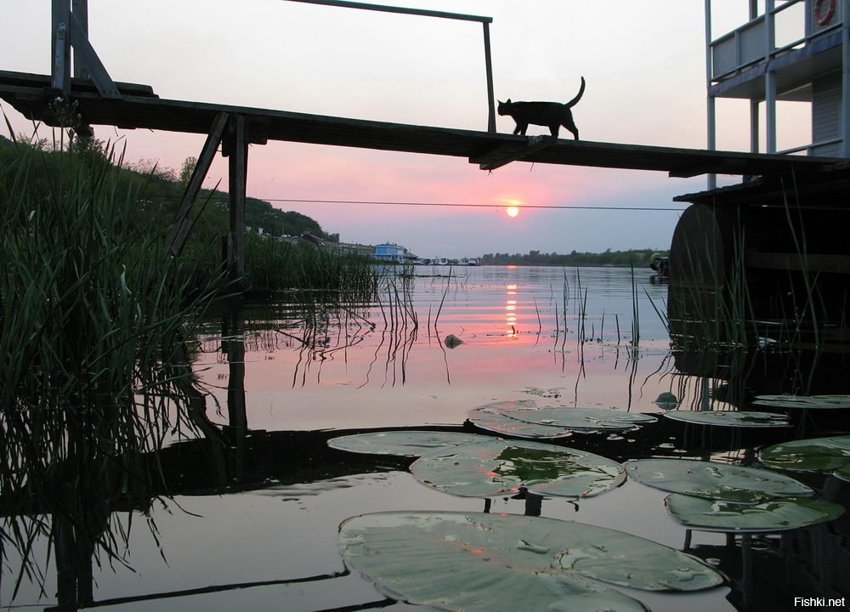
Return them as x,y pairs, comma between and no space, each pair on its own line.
94,99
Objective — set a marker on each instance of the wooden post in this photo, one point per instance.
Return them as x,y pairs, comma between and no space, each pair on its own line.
80,10
491,115
237,150
60,60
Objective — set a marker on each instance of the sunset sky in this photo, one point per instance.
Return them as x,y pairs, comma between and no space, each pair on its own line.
643,62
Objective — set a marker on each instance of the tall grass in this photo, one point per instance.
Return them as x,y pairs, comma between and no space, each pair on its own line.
92,321
273,265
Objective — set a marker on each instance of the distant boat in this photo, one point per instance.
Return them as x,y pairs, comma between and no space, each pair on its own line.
661,265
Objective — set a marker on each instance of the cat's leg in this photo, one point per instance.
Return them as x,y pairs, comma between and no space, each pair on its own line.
554,129
521,128
571,126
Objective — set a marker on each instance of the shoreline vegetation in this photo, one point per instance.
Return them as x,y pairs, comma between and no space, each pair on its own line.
638,258
143,201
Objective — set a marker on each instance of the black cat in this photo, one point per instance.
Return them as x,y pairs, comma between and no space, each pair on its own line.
551,114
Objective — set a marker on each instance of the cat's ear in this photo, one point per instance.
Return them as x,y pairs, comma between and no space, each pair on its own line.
508,101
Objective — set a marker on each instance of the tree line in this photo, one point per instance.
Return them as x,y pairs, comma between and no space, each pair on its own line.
639,258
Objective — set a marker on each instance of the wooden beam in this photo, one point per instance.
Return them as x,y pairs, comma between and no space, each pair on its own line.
506,153
183,224
85,54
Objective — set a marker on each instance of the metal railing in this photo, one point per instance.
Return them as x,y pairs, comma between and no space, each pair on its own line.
786,27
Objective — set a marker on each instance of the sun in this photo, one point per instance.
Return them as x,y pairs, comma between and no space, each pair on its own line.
511,206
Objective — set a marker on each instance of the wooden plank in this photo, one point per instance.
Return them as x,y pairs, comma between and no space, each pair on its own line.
147,112
504,154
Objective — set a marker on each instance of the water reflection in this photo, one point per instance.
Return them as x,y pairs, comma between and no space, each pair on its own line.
274,383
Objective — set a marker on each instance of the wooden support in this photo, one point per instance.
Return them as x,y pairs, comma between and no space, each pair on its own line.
84,54
491,95
237,151
61,46
183,224
70,29
80,11
507,152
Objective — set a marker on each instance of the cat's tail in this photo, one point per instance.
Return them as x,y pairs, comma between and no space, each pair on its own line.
580,93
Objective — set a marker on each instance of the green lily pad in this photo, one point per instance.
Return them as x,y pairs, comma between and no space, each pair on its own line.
504,467
806,402
479,561
729,418
843,473
715,480
523,419
586,419
812,455
403,443
493,418
769,516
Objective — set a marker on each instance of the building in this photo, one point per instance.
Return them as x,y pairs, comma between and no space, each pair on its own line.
795,50
770,256
393,253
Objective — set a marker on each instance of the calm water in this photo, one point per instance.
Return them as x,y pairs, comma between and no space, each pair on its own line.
253,526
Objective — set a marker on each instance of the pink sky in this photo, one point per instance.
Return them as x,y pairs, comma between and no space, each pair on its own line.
643,62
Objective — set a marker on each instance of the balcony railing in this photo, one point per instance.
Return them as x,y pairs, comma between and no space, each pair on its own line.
788,26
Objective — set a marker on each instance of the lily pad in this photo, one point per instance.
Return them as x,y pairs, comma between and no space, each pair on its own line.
843,473
492,418
480,561
538,422
811,455
806,402
504,467
768,516
403,443
585,419
715,480
729,418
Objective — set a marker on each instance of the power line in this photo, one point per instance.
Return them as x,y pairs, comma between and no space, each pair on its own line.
463,205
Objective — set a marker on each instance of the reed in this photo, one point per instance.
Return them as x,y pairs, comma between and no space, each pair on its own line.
273,264
93,320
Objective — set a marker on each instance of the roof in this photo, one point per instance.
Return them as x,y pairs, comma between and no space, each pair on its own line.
825,187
